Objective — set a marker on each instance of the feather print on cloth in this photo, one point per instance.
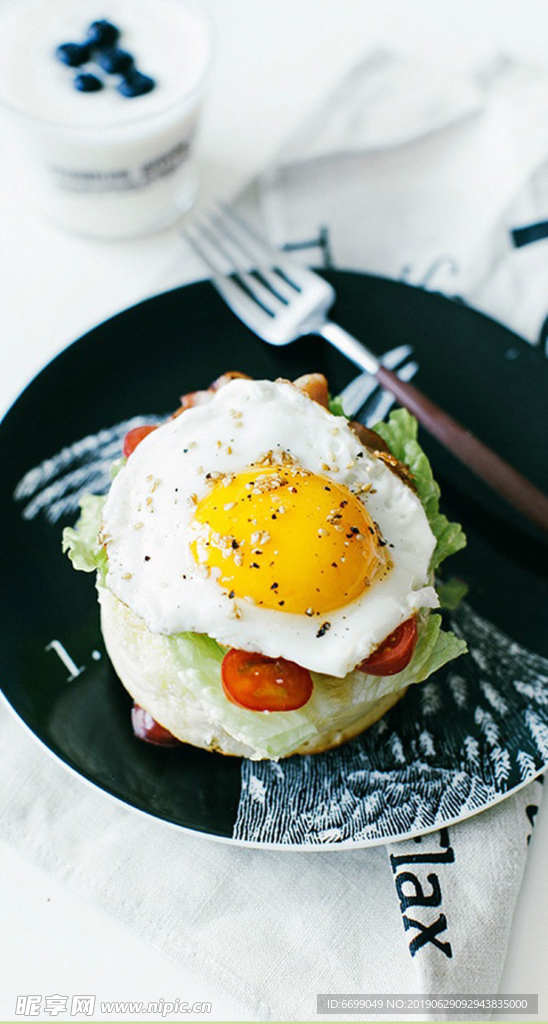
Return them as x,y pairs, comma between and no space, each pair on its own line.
454,745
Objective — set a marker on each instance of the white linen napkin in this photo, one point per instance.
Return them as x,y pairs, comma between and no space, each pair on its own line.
405,174
438,181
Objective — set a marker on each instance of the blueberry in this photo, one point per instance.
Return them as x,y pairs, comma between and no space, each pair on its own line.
136,84
73,54
102,33
115,61
87,83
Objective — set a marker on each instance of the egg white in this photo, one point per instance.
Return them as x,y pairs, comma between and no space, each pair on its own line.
148,513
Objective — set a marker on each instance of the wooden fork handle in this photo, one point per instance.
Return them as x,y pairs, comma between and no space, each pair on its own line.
482,460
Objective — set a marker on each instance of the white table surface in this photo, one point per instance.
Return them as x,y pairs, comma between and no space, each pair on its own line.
275,59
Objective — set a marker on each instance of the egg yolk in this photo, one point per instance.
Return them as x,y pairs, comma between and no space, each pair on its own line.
288,539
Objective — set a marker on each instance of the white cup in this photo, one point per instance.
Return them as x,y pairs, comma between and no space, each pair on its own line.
100,163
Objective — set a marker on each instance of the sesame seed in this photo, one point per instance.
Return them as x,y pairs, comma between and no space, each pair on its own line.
127,575
138,526
229,505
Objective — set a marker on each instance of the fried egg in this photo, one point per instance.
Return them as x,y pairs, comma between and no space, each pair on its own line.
260,520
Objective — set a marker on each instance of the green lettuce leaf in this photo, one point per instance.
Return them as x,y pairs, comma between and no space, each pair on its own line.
400,434
451,593
81,541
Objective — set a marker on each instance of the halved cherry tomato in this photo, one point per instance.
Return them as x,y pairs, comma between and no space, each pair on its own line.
258,683
395,653
134,437
147,728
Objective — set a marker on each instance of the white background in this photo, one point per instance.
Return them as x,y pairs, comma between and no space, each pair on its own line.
275,60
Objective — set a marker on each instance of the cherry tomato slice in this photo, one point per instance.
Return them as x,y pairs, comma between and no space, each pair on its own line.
134,437
147,728
258,683
395,653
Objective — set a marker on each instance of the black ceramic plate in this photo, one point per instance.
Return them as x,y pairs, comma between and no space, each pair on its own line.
454,745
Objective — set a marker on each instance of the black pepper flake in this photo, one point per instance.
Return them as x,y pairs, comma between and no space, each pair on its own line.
354,529
323,629
383,543
371,530
281,603
343,504
359,455
147,558
274,586
253,565
334,564
231,595
327,488
274,516
235,544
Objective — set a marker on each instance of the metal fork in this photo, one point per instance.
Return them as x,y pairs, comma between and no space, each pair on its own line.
280,301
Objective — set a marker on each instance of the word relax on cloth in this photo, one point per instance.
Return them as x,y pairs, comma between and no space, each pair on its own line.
411,892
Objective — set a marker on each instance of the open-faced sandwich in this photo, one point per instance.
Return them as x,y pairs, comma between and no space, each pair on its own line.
265,569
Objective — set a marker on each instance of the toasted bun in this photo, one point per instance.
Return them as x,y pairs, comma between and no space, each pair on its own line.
143,662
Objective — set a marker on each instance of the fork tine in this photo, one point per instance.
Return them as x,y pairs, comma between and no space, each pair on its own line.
226,256
237,294
251,242
237,286
233,234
